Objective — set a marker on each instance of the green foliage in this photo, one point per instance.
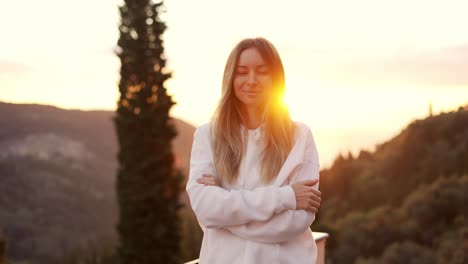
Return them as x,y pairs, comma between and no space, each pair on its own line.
44,203
439,203
407,196
148,187
91,253
3,248
431,217
408,252
453,247
362,260
192,236
366,235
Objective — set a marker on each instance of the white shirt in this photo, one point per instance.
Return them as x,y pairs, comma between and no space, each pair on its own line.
249,222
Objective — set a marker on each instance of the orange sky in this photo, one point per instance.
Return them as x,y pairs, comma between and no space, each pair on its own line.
357,71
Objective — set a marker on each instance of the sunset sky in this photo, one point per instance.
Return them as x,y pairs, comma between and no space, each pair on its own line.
357,71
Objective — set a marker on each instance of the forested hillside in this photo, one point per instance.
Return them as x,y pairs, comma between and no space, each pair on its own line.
405,202
57,180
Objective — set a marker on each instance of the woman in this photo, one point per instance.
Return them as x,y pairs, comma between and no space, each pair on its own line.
253,171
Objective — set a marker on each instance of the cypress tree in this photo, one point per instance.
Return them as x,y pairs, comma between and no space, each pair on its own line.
3,248
147,185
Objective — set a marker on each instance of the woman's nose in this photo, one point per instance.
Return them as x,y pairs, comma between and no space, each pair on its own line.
252,78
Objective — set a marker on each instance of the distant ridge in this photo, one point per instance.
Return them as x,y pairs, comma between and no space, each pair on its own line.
57,177
405,202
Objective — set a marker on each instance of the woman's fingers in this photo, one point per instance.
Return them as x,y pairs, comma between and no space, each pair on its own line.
308,182
316,199
207,183
314,204
307,198
208,179
313,210
317,192
308,205
317,195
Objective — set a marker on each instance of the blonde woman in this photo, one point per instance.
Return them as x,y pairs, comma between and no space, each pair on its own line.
254,171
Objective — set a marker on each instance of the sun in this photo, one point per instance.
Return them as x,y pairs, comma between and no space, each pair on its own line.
300,98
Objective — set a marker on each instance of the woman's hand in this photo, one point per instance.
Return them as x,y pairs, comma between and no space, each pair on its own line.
209,180
307,198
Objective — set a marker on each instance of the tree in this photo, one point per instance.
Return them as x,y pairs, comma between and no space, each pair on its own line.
408,252
3,245
453,248
148,186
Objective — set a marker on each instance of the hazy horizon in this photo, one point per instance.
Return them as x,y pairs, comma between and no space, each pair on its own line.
356,72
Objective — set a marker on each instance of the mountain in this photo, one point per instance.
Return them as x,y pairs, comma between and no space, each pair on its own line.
57,179
405,202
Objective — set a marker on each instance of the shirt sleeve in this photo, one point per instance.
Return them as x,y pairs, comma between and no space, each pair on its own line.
216,207
287,224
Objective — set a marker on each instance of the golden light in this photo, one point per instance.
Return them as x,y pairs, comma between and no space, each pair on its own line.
282,103
301,97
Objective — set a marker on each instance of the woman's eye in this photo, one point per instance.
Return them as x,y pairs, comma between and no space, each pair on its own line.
263,70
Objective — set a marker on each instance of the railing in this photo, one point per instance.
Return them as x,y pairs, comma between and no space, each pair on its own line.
320,240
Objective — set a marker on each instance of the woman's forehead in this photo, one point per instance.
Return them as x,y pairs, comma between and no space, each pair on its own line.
251,57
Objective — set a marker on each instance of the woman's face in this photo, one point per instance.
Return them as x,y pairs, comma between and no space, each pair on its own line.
252,79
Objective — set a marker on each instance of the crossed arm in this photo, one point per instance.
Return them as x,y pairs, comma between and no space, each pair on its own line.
267,215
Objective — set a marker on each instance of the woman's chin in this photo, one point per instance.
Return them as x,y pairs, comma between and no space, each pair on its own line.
252,103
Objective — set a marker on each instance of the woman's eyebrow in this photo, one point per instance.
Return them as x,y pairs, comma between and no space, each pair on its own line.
257,66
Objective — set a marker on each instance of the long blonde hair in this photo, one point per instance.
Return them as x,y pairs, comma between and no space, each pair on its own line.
278,128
